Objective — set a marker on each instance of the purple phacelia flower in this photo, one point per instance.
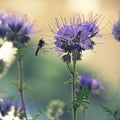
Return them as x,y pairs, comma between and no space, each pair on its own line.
2,25
87,80
18,29
76,35
7,108
116,30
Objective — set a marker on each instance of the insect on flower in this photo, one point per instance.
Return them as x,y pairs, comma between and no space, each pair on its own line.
40,45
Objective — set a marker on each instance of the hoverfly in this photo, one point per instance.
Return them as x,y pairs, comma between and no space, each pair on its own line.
40,45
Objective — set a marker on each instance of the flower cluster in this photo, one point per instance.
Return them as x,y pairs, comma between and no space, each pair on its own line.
55,109
9,111
87,80
76,36
15,28
116,30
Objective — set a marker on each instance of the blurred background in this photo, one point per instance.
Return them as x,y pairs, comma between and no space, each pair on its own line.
46,73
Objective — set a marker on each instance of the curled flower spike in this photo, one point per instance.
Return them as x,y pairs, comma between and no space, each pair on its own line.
3,25
75,36
116,30
91,83
10,111
18,29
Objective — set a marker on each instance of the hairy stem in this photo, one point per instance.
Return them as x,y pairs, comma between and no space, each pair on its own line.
73,87
21,86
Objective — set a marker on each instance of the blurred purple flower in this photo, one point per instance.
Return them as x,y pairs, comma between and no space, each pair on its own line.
7,106
2,25
18,29
91,83
77,35
116,30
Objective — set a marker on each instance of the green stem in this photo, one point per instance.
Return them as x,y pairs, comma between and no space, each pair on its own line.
73,87
84,114
75,115
21,86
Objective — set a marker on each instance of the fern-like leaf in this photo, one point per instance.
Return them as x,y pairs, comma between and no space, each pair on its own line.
110,112
82,99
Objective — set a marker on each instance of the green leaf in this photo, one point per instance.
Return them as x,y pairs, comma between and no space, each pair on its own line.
115,114
26,86
70,69
110,112
107,110
14,83
82,99
70,81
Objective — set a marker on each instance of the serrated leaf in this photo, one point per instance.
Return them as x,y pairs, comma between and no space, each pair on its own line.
82,99
107,110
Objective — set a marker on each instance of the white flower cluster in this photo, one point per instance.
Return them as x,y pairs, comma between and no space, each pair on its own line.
10,115
55,109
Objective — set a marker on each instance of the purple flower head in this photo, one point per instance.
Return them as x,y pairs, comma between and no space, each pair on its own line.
2,25
7,106
18,29
76,35
91,83
116,30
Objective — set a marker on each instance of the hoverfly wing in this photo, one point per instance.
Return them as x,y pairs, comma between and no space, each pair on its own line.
40,46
